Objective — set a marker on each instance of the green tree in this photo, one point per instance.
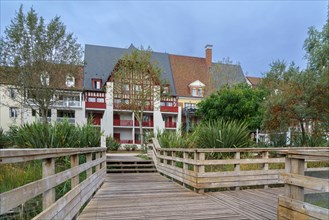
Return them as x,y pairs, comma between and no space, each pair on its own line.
37,57
137,84
301,98
239,102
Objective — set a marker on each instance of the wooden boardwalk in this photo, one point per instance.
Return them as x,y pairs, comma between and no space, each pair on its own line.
152,196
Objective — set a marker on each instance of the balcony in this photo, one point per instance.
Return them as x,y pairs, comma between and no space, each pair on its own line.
70,120
95,100
145,123
169,108
118,122
170,124
64,103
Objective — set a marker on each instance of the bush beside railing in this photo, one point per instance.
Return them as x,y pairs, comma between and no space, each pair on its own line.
69,205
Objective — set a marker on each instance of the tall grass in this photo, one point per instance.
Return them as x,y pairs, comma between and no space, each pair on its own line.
169,139
222,134
57,135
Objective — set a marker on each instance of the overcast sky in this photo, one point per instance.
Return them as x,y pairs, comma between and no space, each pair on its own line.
253,33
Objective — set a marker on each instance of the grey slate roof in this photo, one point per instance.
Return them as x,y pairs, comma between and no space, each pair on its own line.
227,74
101,60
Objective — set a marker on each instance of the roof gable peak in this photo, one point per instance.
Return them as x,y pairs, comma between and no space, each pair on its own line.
197,83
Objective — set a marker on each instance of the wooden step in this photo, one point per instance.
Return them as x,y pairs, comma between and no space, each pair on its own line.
144,170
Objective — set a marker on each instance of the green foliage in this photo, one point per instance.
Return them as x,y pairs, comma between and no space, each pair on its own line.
58,135
169,139
39,55
310,141
4,140
301,98
222,134
111,144
239,102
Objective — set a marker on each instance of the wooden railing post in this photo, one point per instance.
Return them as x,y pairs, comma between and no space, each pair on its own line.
185,165
237,166
295,166
265,165
48,169
165,160
173,155
74,163
199,157
98,155
89,158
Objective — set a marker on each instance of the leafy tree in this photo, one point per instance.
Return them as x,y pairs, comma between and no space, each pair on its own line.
301,98
239,102
137,83
37,57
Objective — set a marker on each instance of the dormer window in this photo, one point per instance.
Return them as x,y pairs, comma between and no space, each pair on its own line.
44,78
97,83
70,81
197,88
165,90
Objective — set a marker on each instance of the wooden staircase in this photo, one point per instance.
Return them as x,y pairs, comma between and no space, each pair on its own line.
129,165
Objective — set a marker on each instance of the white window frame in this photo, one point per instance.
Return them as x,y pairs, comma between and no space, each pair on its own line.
13,112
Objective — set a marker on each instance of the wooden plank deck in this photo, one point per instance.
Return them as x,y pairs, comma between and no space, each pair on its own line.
152,196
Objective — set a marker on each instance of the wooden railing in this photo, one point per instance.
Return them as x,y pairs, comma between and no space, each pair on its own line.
292,205
69,205
236,168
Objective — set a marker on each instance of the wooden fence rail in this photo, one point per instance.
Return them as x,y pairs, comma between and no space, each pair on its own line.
69,205
292,205
198,168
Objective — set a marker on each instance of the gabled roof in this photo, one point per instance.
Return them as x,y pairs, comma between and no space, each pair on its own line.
187,70
100,62
227,74
254,81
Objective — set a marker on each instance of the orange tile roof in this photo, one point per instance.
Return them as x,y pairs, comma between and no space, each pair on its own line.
187,70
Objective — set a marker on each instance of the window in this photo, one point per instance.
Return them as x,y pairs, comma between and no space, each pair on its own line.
65,114
13,111
138,88
194,92
200,92
70,81
44,78
34,112
12,93
125,88
165,90
91,99
189,105
97,83
100,100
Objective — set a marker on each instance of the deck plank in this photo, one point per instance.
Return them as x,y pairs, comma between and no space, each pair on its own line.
152,196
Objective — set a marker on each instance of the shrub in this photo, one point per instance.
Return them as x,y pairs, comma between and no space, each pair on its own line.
169,139
111,144
222,134
4,140
57,135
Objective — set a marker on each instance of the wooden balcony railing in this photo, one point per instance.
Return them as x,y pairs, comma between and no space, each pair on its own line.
220,168
170,124
69,204
118,122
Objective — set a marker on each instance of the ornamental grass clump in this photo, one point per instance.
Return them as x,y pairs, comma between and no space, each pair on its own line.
222,134
57,135
169,139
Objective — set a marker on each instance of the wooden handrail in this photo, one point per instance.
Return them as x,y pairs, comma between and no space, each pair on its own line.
292,203
79,193
189,166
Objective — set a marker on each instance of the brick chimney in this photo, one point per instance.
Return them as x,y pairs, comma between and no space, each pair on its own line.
208,55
